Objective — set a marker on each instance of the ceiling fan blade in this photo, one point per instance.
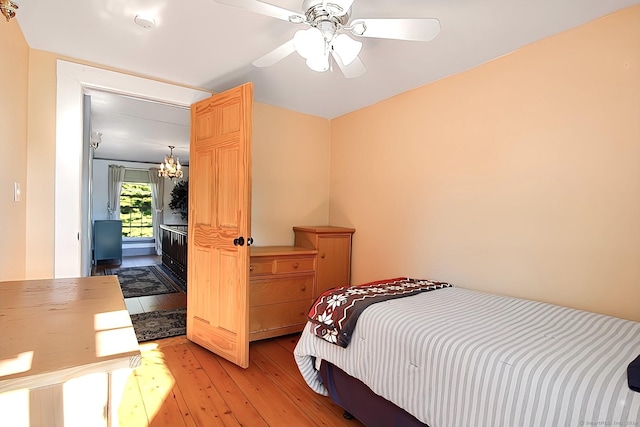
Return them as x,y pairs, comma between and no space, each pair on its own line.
417,29
264,9
353,70
345,5
275,55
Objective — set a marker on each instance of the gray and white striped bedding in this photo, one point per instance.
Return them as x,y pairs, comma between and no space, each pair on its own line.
455,357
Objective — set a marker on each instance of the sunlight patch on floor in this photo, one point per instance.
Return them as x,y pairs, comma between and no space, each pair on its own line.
147,388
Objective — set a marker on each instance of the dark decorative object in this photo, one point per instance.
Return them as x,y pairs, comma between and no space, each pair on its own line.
174,252
180,199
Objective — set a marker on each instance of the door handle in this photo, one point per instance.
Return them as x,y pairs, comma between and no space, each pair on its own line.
250,241
238,241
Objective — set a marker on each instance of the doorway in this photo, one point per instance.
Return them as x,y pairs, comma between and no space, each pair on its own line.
71,235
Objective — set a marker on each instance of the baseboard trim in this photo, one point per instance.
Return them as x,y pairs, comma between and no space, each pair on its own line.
138,251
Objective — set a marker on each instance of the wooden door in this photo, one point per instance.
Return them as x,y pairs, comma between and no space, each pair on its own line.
219,213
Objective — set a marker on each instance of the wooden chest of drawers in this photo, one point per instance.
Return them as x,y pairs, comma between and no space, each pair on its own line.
334,254
281,290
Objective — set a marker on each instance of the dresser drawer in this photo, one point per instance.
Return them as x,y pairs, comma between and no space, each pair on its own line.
277,289
274,316
260,266
290,265
280,265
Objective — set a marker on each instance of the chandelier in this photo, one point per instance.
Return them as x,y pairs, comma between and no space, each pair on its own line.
8,9
171,167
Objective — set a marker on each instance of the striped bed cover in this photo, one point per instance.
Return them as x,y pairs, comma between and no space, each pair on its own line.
455,357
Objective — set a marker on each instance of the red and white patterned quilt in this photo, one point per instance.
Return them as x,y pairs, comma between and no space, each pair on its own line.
335,312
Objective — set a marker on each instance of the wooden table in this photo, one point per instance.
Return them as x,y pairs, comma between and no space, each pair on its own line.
66,349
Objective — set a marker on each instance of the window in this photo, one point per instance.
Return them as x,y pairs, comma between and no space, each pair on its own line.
135,209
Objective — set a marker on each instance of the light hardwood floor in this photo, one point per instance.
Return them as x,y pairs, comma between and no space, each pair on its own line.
180,383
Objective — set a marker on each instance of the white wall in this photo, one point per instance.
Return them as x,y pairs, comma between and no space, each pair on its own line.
100,176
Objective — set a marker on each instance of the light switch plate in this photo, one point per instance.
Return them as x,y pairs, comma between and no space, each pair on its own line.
16,191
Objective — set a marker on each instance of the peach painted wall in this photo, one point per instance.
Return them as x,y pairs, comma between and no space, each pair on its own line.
521,176
290,169
41,154
290,173
14,67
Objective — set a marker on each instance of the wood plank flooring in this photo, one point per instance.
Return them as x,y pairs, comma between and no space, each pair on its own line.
181,384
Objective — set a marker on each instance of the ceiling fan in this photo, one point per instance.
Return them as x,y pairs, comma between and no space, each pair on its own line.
326,38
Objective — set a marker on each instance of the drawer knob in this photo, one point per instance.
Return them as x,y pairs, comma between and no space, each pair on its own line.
304,288
251,268
322,256
295,265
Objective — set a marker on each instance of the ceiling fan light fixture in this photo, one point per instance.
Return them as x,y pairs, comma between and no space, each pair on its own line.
319,63
8,9
309,43
346,47
325,43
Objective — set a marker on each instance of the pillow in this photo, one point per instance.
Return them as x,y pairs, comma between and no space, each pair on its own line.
633,375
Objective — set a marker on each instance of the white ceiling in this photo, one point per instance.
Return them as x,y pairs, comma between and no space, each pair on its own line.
204,44
138,130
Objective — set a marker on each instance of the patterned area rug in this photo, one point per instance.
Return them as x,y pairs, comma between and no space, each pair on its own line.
176,279
142,281
160,324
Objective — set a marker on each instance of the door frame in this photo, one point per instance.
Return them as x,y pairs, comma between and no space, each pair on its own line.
72,78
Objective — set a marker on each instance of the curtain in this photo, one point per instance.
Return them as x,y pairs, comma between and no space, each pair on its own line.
115,179
157,205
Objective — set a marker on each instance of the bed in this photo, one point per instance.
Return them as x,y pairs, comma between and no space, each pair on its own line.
454,357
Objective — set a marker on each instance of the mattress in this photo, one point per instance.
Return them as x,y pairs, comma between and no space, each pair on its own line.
456,357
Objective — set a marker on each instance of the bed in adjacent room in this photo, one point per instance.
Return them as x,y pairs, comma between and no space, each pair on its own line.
453,357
